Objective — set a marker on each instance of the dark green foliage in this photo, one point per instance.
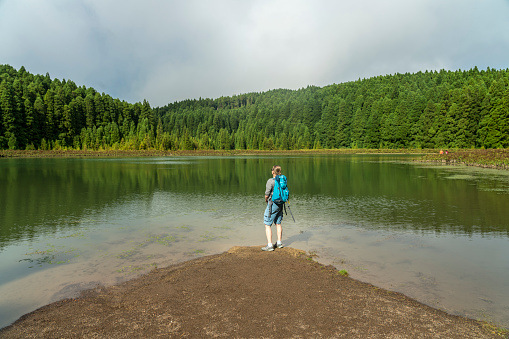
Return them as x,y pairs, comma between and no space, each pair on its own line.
461,109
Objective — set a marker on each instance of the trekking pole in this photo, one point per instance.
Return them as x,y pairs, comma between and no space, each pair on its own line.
288,202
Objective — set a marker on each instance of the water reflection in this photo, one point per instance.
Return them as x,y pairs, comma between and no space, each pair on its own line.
46,195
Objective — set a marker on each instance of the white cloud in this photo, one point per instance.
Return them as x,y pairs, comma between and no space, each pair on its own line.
173,50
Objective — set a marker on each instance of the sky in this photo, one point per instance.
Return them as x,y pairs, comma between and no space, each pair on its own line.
167,51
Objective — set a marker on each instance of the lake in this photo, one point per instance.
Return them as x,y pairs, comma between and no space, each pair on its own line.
439,234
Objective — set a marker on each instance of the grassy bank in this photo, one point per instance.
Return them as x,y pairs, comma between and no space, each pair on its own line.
487,158
156,153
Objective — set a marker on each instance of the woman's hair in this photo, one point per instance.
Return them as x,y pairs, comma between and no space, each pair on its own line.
277,169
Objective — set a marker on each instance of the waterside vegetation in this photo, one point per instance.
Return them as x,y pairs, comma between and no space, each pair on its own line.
488,158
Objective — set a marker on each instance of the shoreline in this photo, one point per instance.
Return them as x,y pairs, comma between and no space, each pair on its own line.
154,153
489,158
245,292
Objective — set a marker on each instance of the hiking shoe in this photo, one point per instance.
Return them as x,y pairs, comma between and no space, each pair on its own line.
279,245
268,248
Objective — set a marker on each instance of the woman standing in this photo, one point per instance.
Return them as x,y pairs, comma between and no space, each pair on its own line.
273,213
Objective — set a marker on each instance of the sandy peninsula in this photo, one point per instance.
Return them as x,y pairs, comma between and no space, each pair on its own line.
244,293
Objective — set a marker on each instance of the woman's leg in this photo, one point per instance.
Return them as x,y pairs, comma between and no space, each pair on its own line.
279,232
268,232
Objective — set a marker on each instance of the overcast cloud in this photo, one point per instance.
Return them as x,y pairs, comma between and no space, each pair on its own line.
166,51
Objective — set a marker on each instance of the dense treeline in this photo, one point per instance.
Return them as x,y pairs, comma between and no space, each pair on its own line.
460,109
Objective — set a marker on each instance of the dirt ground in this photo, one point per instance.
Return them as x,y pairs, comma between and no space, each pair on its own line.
244,293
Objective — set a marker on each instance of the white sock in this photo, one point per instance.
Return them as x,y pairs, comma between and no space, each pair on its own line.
278,242
269,244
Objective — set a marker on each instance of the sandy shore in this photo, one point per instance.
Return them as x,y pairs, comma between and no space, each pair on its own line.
244,293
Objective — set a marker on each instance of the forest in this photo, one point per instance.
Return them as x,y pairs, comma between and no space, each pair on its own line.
425,110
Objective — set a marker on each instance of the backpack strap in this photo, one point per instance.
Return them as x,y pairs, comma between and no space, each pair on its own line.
274,187
276,179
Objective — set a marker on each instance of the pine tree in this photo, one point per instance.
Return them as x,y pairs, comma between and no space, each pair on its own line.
372,131
497,122
9,113
90,110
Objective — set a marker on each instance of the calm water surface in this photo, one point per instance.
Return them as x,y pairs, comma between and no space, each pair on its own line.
437,234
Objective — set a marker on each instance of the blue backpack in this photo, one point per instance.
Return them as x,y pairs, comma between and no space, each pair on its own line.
281,193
